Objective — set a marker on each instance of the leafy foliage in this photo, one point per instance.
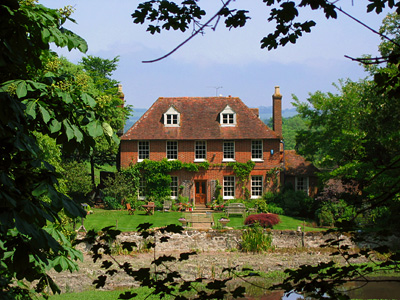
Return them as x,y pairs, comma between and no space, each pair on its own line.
255,239
265,220
37,99
156,175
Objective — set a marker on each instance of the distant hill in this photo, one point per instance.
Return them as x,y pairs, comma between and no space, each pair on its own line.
137,113
265,114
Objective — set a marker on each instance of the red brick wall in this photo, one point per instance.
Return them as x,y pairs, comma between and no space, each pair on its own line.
217,169
129,152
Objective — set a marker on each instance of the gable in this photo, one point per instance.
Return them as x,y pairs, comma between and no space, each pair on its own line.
199,119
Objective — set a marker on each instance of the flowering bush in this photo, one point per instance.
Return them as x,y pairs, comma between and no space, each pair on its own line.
218,207
264,219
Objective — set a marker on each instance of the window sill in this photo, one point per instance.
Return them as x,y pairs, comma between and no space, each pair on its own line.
171,159
228,197
255,197
229,160
228,125
257,160
200,160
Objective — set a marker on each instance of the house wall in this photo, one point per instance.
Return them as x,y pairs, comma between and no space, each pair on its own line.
312,183
217,169
129,152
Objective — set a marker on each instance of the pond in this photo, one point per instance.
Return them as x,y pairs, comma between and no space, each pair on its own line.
373,290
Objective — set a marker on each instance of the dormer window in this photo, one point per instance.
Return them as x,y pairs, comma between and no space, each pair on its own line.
172,117
228,117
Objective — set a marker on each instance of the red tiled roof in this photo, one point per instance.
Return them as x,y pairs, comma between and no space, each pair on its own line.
199,119
296,164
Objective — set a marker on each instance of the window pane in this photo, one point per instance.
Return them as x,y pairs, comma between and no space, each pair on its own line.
144,149
200,150
229,186
302,184
174,186
172,149
256,150
229,150
203,187
227,118
256,186
142,188
172,119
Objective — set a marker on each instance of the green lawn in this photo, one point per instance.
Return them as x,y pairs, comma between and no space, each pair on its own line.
123,221
105,295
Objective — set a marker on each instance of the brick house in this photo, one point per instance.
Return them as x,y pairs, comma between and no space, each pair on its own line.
300,173
214,129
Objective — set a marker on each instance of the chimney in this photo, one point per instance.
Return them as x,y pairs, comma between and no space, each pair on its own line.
121,95
277,112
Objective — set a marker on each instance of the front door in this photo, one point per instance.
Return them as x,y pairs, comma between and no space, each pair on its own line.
201,191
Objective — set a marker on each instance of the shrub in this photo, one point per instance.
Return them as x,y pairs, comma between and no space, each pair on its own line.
112,203
255,239
274,209
264,219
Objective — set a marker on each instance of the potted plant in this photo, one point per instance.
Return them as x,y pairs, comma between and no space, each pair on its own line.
183,221
223,221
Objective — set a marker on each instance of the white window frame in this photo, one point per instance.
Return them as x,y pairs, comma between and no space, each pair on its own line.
229,187
172,117
142,189
226,151
200,147
171,150
255,148
302,184
227,117
256,186
174,187
143,148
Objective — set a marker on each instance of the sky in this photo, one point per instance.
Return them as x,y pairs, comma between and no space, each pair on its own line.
223,62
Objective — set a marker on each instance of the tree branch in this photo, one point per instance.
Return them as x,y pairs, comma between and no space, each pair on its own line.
190,37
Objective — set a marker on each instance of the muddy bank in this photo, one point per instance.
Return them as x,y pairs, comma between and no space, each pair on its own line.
204,264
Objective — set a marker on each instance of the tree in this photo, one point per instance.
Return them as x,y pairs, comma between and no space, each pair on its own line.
34,99
167,15
355,134
109,103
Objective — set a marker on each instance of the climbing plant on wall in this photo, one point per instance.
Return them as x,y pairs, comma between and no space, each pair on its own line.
242,171
157,178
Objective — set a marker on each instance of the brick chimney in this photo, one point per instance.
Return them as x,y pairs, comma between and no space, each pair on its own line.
277,112
121,95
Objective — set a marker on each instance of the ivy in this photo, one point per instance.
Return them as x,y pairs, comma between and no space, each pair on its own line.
157,178
242,170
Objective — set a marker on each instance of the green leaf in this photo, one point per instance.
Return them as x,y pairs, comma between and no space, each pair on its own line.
40,190
68,130
107,129
45,114
55,126
60,264
87,99
66,97
31,109
21,89
95,129
78,133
